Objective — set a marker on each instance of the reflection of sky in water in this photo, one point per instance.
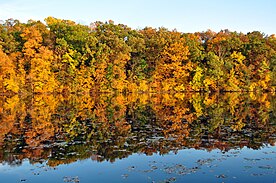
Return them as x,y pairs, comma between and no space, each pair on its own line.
187,165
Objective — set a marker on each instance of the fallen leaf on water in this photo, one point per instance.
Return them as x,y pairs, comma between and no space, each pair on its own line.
247,167
265,167
125,176
71,179
221,176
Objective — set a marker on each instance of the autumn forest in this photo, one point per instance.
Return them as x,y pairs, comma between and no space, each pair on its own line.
62,56
145,105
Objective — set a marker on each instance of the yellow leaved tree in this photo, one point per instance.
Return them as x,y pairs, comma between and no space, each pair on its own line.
173,67
8,78
37,61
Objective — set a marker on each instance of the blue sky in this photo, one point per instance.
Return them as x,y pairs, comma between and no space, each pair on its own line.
184,15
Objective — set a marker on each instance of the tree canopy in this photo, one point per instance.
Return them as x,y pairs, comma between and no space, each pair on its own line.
63,56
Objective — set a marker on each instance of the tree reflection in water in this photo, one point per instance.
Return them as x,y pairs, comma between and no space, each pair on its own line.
63,129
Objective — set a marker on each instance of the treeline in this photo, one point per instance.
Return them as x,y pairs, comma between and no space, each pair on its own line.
63,56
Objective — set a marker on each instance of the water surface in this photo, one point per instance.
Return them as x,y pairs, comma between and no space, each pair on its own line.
186,137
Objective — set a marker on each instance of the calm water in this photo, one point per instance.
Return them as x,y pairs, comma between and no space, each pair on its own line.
186,137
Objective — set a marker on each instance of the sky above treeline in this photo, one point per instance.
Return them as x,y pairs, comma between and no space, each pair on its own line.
183,15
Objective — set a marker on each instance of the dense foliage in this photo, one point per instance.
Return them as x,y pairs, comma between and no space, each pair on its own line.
63,56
